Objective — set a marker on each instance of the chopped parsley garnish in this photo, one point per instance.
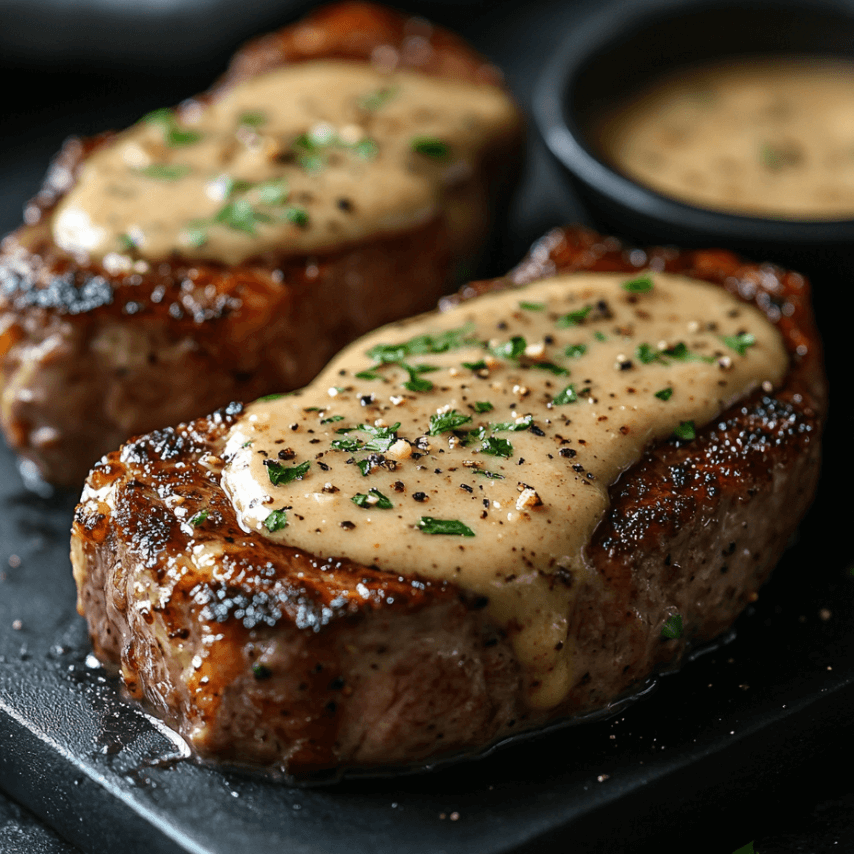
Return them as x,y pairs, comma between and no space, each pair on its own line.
164,171
512,349
513,426
497,447
646,354
252,118
273,192
681,353
575,350
483,406
568,395
370,375
173,134
298,216
685,430
432,147
277,520
453,527
574,318
349,445
380,501
446,422
415,383
600,336
678,352
374,100
127,243
382,438
533,306
641,285
229,186
365,467
557,370
665,393
494,475
241,216
440,343
200,517
475,366
740,342
672,627
274,396
312,149
331,419
366,148
280,474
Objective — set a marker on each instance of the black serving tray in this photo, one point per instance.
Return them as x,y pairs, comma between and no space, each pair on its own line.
718,753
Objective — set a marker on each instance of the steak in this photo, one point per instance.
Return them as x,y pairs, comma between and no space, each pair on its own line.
93,352
265,655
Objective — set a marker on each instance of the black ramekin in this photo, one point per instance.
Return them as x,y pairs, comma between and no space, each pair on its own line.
621,45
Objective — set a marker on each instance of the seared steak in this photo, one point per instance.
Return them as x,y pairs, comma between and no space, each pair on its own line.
96,349
263,654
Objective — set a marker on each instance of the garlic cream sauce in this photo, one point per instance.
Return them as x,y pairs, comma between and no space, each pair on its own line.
299,159
477,445
770,137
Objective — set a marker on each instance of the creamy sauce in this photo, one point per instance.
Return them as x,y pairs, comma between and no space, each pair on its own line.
299,159
771,137
521,409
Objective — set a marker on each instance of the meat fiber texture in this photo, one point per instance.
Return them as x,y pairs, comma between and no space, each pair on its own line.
89,358
263,655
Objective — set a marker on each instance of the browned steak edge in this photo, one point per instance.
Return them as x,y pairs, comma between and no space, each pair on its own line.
694,529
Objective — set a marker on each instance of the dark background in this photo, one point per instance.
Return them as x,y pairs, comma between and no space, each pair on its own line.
82,66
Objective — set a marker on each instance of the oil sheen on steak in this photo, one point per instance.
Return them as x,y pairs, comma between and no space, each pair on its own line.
264,655
90,357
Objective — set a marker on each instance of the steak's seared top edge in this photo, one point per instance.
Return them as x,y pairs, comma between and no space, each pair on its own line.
260,581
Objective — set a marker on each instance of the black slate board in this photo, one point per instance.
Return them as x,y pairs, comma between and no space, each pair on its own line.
766,713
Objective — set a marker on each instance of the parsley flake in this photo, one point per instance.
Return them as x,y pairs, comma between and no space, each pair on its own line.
641,285
483,406
173,134
439,343
665,393
200,517
446,422
513,426
557,370
431,147
164,171
277,520
575,350
241,216
533,306
574,318
685,430
453,527
298,216
672,627
497,447
740,342
568,395
375,100
280,474
252,118
512,349
374,498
